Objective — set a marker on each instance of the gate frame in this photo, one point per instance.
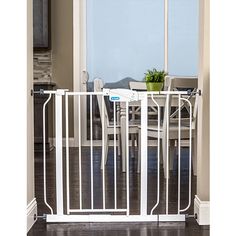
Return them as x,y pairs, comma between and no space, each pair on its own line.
143,217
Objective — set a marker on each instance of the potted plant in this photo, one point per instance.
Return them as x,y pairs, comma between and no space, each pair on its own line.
155,79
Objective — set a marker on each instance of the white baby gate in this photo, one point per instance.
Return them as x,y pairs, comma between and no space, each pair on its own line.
113,214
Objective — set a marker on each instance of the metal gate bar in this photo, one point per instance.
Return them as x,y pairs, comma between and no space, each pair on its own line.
143,190
158,154
91,148
115,174
127,158
44,156
67,157
190,155
103,157
59,160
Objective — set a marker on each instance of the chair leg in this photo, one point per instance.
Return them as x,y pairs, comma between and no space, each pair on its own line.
123,142
133,145
139,151
161,153
164,152
136,142
136,138
133,135
172,154
194,155
106,144
119,145
106,149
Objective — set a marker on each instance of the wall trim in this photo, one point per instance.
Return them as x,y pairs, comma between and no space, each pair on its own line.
79,60
31,213
202,210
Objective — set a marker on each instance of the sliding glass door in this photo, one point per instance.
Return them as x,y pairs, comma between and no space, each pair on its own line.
124,38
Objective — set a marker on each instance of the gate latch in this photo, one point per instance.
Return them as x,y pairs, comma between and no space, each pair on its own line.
121,95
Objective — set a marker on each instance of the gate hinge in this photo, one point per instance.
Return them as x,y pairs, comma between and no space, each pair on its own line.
198,91
44,216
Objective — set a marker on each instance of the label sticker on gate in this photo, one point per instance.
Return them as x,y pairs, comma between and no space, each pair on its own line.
115,98
123,95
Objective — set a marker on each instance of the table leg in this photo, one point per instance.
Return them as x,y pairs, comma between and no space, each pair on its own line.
118,122
194,152
123,134
133,135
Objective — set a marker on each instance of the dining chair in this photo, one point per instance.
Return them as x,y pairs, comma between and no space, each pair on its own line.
109,125
138,86
174,83
136,111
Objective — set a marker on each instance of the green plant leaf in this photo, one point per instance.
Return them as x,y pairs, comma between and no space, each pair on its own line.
155,76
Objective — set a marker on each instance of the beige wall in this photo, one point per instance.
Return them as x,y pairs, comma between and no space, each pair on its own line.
62,47
30,127
203,152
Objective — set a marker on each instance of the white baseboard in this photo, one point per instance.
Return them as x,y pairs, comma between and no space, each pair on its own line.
31,214
202,211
